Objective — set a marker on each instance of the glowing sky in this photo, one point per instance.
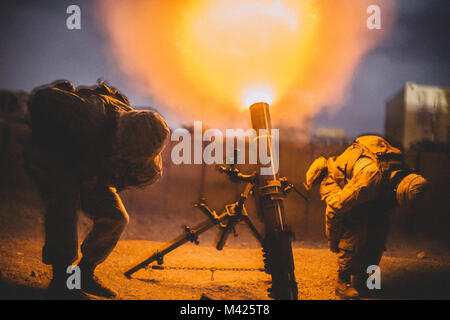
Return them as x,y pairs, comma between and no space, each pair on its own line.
37,49
209,59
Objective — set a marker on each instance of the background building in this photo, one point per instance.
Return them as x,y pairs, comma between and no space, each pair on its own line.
329,136
418,114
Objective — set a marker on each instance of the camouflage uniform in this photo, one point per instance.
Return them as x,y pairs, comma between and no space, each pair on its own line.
358,195
359,187
79,159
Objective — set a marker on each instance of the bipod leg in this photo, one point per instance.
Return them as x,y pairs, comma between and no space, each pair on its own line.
211,214
253,229
190,235
232,221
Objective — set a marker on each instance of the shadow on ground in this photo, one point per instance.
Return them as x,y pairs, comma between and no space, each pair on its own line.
15,291
424,283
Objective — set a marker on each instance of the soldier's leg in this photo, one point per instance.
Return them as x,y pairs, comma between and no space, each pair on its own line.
345,265
374,246
351,244
110,218
348,261
344,288
371,256
61,238
59,186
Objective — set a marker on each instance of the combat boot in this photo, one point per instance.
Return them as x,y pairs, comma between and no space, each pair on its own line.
58,289
92,285
344,288
359,283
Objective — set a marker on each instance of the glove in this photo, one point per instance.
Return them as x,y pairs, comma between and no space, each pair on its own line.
316,172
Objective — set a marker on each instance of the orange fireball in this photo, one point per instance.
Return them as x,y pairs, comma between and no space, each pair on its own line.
209,59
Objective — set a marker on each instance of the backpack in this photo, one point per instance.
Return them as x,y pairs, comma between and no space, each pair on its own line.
95,131
75,122
387,157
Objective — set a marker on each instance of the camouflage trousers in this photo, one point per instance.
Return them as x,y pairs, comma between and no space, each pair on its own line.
362,240
64,194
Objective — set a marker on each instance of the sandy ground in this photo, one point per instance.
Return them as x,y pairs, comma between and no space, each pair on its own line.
23,276
404,273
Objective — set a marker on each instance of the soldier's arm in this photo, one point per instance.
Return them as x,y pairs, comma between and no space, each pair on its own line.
363,187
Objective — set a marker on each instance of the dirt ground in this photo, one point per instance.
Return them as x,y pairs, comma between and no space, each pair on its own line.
410,269
23,276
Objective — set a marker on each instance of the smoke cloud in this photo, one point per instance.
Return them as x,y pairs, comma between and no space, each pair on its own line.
208,60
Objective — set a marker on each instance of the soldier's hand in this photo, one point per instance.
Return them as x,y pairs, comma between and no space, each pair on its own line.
334,246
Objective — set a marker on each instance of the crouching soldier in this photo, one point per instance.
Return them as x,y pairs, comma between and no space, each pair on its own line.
359,187
86,146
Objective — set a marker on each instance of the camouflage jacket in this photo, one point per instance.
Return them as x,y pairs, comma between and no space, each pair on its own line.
357,177
83,126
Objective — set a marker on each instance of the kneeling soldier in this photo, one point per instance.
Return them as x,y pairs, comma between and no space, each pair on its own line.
359,187
86,146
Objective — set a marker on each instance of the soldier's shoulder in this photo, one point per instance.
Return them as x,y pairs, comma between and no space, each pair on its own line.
114,103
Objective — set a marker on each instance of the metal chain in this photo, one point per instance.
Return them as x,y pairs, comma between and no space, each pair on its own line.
212,269
203,268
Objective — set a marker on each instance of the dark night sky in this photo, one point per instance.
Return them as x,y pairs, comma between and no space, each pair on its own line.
36,48
417,50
